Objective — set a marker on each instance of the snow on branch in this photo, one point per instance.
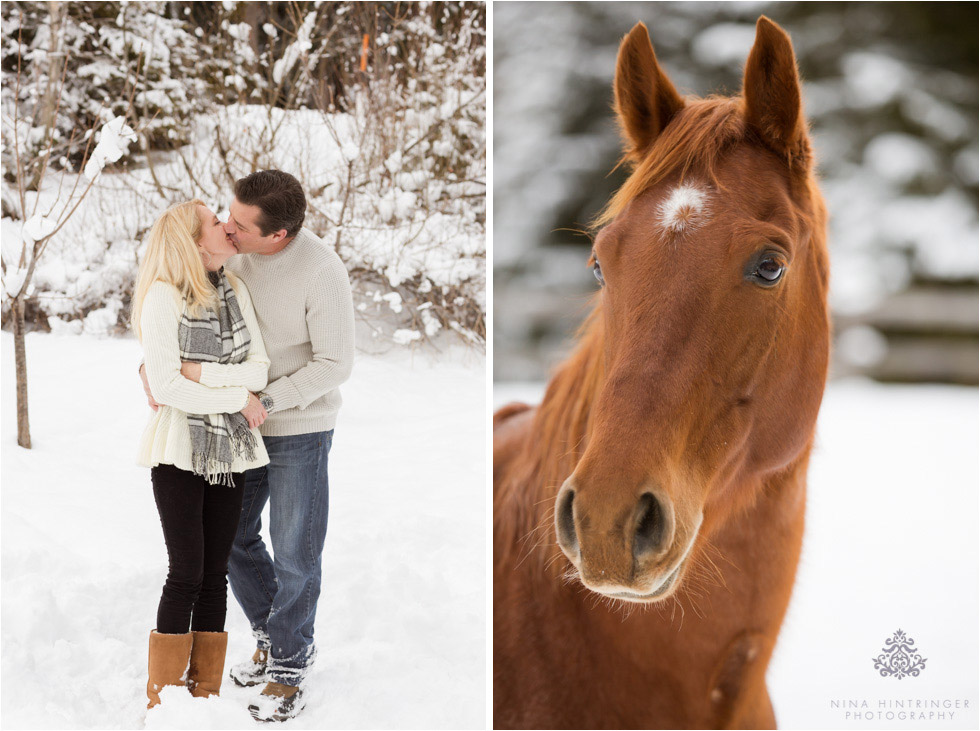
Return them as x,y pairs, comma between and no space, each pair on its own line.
114,140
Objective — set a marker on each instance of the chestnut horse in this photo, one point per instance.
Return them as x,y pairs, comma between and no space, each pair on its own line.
665,470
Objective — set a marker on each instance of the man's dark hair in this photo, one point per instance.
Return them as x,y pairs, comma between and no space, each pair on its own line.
279,197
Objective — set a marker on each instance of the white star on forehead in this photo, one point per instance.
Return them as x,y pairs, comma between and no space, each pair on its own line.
685,209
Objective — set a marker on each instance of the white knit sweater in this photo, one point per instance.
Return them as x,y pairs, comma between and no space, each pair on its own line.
223,388
303,304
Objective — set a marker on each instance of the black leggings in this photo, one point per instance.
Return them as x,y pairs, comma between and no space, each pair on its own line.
199,522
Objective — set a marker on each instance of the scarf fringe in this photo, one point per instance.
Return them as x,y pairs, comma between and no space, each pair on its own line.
218,471
244,442
213,470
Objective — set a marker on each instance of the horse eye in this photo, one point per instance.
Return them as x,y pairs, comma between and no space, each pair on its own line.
769,271
597,270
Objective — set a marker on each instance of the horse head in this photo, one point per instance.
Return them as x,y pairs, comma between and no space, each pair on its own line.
713,320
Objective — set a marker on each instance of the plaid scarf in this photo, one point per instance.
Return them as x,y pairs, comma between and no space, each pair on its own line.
217,337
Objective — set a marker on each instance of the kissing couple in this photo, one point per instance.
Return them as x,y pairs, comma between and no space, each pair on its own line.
247,329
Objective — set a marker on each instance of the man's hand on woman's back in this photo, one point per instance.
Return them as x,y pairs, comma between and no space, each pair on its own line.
146,388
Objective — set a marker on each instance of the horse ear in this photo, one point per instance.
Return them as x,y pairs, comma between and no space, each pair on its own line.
771,88
646,101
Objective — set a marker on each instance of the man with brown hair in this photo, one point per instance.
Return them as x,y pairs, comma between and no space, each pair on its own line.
306,314
302,299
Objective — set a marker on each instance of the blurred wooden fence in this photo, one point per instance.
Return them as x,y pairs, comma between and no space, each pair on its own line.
929,331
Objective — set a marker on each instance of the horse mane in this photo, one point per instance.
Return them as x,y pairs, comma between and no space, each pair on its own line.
695,139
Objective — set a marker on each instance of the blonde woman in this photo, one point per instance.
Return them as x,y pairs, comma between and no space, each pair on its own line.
204,361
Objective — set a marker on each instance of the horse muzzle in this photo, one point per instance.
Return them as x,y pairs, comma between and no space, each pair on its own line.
634,552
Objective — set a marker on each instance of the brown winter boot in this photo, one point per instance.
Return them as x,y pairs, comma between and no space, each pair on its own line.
168,661
277,702
251,672
207,663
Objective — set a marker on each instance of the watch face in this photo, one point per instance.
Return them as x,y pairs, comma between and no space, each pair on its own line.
266,401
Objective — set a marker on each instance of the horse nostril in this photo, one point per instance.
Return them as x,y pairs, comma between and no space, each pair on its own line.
565,522
651,527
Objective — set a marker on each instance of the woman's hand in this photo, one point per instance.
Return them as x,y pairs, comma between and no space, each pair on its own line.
254,411
191,370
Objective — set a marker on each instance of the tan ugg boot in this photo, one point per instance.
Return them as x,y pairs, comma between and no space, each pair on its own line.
207,663
169,655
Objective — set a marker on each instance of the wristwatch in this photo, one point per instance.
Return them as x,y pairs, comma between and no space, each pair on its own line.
266,400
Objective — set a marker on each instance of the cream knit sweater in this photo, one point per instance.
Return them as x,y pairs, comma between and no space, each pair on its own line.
303,304
223,388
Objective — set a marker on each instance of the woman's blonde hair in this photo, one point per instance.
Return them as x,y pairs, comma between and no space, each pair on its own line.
172,256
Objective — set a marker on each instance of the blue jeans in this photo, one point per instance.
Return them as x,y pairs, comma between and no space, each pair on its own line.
279,595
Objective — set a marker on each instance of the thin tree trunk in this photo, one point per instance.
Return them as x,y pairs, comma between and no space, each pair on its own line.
49,101
20,359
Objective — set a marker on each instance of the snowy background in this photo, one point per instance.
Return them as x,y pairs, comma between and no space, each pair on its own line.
891,91
890,543
176,100
401,623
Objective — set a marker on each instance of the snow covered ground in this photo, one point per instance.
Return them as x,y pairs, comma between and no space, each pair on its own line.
891,543
401,624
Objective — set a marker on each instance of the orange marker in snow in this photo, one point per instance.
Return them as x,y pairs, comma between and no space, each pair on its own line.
364,50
